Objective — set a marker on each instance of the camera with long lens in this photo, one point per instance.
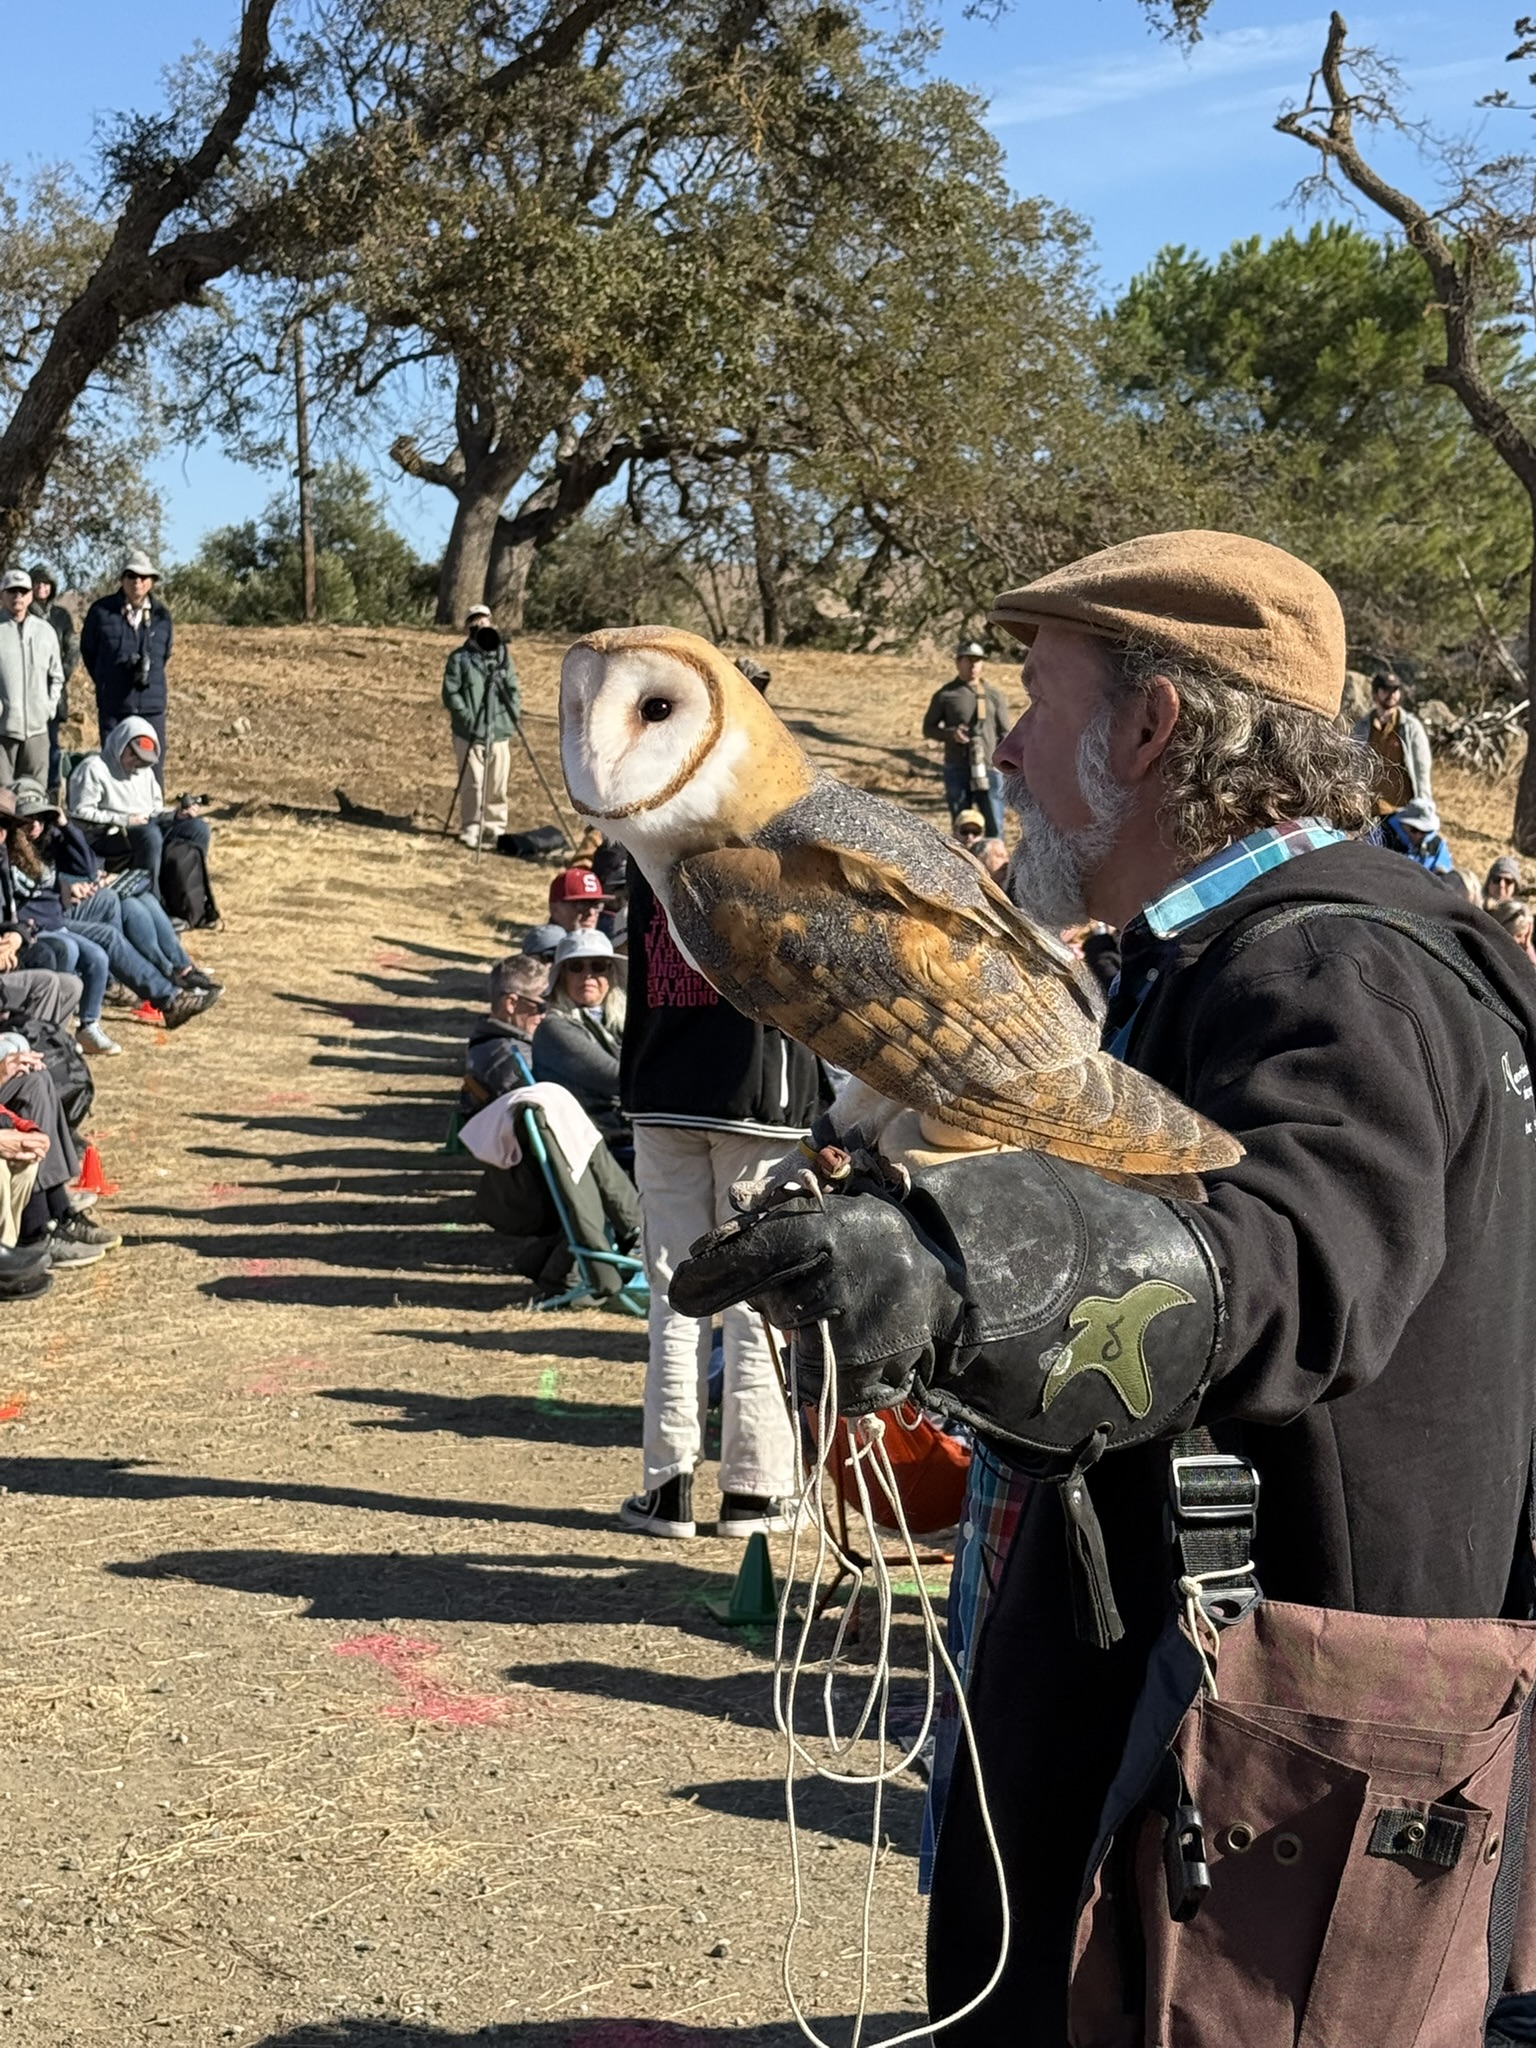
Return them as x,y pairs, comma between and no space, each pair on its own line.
141,670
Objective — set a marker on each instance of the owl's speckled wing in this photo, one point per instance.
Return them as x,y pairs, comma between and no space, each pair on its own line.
852,926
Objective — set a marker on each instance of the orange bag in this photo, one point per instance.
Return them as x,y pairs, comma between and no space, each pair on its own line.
930,1469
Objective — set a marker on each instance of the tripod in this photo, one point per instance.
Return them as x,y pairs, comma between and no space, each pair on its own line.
497,690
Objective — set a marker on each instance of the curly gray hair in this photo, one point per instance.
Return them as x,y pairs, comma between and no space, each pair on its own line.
1236,761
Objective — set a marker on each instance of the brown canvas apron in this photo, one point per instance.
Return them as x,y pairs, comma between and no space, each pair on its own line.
1344,1825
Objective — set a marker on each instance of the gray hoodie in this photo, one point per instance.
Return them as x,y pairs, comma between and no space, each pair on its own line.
31,676
102,792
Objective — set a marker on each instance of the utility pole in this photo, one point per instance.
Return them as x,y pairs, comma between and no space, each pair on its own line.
306,473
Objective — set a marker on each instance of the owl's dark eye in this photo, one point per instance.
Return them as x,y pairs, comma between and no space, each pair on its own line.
655,709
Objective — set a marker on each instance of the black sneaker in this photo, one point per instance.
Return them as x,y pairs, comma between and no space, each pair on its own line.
78,1229
186,1004
752,1514
24,1270
64,1251
666,1511
194,977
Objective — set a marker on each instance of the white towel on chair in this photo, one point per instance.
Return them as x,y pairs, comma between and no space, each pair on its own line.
491,1133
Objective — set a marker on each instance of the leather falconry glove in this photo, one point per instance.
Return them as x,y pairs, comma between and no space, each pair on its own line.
1059,1314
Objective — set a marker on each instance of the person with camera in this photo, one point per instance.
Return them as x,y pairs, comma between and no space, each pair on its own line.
116,799
481,696
125,645
970,716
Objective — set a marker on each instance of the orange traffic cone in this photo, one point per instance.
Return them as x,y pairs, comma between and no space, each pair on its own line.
91,1180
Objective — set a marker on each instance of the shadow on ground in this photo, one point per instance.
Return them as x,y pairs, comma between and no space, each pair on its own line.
122,1479
577,2033
596,1425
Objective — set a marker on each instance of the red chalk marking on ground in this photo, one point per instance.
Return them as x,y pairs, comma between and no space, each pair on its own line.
283,1100
425,1699
393,960
10,1410
278,1377
223,1191
267,1269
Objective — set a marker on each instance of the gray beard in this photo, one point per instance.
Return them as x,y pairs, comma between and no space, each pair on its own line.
1050,869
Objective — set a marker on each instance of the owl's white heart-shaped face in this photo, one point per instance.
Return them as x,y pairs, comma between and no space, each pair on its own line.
636,724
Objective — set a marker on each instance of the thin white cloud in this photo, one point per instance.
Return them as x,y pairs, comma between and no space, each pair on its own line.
1031,94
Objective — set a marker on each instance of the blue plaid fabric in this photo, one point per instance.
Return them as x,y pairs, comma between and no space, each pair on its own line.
1218,879
994,1500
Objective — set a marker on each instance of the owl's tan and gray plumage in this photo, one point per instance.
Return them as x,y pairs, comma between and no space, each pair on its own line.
851,925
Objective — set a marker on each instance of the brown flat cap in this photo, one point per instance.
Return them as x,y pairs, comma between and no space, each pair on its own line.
1239,606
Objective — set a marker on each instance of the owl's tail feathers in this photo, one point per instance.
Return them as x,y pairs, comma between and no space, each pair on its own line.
1107,1116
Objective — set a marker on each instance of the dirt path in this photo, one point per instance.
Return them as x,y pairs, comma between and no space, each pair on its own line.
335,1707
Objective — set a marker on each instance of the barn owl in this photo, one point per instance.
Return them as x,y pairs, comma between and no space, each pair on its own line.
851,924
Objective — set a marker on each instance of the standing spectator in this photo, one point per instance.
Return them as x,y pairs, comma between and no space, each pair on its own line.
31,677
970,717
481,695
44,585
125,645
116,798
713,1099
577,899
1503,881
1399,743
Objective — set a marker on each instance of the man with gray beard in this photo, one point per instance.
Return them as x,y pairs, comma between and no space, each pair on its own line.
1232,1752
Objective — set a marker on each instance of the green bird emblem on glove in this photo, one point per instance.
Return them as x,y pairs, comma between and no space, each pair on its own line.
1109,1341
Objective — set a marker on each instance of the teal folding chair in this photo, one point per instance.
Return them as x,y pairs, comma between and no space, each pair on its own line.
457,1119
634,1297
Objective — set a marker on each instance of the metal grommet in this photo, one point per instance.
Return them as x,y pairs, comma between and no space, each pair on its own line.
1239,1838
1410,1836
1287,1848
1491,1849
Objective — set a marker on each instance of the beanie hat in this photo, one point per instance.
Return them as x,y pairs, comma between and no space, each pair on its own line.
1235,605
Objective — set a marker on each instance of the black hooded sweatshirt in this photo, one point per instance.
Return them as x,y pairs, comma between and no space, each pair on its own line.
1377,1362
689,1058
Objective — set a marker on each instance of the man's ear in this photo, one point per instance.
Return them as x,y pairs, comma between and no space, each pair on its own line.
1146,726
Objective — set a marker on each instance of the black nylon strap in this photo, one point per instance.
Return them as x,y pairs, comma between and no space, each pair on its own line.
1213,1502
1410,1834
1504,1906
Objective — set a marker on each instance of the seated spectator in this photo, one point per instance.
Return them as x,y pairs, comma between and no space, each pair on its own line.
1517,920
1415,830
542,942
514,1198
49,1221
970,829
499,1056
116,797
1503,881
579,1041
577,899
86,933
993,855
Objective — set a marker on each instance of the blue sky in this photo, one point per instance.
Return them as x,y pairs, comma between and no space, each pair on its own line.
1149,143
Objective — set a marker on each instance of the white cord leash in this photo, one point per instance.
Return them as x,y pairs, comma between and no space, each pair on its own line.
866,1448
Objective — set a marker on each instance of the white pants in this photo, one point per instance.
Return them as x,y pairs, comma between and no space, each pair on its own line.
684,1177
483,791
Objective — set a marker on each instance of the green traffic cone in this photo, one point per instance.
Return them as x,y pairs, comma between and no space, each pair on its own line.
754,1598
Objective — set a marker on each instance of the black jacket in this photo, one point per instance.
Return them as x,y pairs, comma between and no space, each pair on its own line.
491,1066
690,1058
1378,1243
111,650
